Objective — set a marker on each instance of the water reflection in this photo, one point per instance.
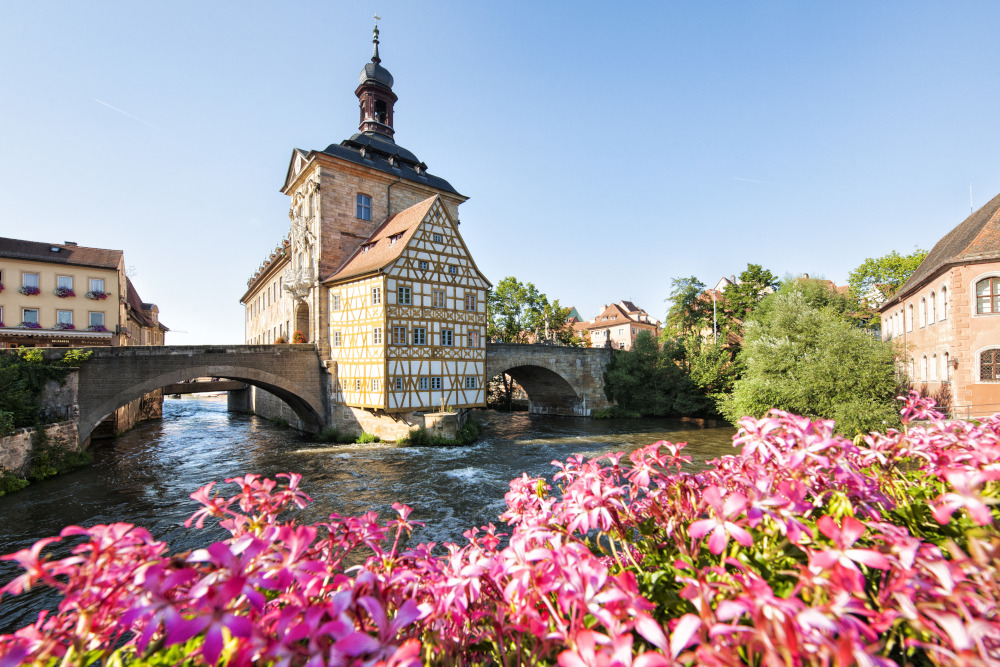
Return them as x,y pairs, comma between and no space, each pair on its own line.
145,476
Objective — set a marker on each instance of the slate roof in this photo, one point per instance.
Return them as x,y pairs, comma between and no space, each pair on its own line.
377,153
381,250
75,255
975,239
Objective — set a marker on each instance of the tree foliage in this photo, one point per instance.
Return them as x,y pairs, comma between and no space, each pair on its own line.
803,354
514,311
891,270
688,310
751,286
23,375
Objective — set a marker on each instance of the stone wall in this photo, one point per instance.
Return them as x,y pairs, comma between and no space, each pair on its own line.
15,449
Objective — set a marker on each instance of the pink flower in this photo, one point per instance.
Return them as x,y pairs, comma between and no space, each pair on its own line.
842,557
721,525
965,485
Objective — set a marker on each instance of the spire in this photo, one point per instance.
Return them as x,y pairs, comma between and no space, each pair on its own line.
375,58
375,94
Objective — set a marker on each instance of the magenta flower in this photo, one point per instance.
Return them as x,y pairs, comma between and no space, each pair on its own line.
721,525
965,493
842,557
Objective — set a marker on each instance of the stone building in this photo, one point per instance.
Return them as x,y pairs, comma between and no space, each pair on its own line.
68,295
946,317
347,201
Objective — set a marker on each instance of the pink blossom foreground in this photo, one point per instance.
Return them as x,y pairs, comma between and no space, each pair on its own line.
804,549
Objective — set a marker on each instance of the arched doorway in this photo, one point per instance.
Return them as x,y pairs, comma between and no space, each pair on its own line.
302,322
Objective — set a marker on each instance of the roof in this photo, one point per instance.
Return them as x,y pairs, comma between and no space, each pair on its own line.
138,307
380,250
68,253
621,315
975,239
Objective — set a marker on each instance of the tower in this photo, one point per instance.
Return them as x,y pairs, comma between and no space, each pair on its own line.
375,95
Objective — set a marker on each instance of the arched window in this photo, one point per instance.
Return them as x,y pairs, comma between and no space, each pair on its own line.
934,367
947,367
989,365
923,312
933,306
988,296
944,303
924,373
913,369
888,328
909,317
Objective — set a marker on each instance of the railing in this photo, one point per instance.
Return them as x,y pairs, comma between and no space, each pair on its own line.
973,411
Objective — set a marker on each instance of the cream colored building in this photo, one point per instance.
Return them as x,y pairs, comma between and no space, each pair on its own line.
322,280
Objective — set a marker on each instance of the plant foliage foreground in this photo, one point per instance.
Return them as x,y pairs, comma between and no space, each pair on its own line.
804,548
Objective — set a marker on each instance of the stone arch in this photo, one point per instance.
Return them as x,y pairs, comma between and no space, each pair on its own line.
548,391
302,320
308,406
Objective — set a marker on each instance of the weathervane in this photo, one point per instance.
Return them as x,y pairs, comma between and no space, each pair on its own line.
375,57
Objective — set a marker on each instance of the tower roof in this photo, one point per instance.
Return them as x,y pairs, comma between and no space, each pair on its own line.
374,72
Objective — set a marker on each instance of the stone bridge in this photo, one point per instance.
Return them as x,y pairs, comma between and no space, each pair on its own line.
116,375
558,380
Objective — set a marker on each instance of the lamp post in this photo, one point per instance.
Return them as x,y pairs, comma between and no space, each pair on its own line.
715,325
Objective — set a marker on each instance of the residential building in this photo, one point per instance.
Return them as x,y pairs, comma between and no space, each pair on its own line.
617,326
946,317
368,221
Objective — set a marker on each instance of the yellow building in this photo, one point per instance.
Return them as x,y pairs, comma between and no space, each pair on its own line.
368,221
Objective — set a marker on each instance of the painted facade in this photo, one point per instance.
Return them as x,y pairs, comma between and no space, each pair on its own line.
617,326
946,318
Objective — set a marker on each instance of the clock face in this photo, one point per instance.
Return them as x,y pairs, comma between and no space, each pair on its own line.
298,163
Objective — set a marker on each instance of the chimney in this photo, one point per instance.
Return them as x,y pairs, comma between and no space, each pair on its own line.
70,243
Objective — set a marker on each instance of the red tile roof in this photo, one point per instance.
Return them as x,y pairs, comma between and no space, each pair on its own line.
75,255
380,250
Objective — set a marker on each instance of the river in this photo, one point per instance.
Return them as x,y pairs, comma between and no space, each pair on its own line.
145,476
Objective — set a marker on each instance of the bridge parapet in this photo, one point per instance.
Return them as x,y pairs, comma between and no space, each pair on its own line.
558,379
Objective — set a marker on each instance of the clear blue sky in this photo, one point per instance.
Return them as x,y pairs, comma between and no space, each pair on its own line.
606,148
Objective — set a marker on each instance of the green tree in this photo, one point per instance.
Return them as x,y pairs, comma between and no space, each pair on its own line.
812,360
688,311
890,270
515,311
751,286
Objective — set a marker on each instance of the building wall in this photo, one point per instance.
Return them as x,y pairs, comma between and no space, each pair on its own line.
12,302
358,341
268,309
621,334
945,326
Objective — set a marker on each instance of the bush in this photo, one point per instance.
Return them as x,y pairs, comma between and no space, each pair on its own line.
75,357
468,434
366,438
280,422
52,457
9,482
804,548
280,340
23,375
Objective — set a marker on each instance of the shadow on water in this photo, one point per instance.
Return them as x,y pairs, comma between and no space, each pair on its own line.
145,476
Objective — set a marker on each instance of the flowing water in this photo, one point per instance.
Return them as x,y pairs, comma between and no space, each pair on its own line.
145,476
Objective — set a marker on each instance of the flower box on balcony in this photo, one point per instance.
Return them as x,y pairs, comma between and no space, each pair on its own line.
28,290
64,292
97,296
97,327
30,325
63,326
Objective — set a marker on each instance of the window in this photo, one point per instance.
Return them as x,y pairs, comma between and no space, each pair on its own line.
447,337
471,382
364,207
403,296
989,365
909,317
29,280
376,384
64,281
422,264
621,331
64,316
399,335
470,301
932,304
334,302
419,336
376,295
473,339
422,383
453,270
357,384
924,374
437,238
934,367
435,383
947,368
923,312
399,384
621,346
377,336
987,296
913,369
438,296
97,319
944,303
336,339
96,284
30,315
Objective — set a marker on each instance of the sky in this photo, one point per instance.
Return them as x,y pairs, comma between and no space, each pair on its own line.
606,148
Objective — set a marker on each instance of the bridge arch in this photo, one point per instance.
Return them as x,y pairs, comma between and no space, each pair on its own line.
115,376
558,380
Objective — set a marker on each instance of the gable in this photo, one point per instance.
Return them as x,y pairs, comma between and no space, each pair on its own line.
296,165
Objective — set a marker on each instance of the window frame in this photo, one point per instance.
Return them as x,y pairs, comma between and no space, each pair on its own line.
24,279
337,338
471,382
376,296
436,383
995,363
438,238
59,280
422,264
418,335
398,333
435,294
90,318
398,384
452,270
400,291
470,299
450,337
334,301
472,339
24,315
59,313
423,383
993,295
92,281
363,206
376,335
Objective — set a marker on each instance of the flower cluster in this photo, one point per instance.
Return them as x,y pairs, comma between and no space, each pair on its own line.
803,549
28,290
64,292
298,337
1,287
64,326
29,325
97,327
97,296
